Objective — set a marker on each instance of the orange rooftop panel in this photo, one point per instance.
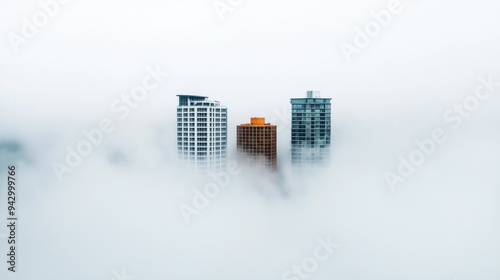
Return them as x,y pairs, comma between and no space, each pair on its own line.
258,121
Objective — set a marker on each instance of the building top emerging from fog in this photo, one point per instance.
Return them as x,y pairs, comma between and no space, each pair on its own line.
257,142
311,129
202,133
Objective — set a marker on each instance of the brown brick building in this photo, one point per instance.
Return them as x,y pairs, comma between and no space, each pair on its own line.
256,141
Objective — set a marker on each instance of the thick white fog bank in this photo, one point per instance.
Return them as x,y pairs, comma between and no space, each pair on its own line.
110,214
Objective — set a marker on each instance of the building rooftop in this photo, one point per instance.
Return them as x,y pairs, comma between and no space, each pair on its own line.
190,95
196,100
301,98
310,94
257,122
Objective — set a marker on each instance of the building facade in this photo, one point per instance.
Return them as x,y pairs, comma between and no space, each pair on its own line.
257,142
311,130
202,133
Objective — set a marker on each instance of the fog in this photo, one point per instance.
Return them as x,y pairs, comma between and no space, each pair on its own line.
118,210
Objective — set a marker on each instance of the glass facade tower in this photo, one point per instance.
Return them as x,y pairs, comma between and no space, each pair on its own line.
311,130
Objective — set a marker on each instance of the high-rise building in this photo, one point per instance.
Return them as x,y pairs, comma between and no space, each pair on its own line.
202,133
256,142
311,130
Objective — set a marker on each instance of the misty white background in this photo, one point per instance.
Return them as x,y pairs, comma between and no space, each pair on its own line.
119,209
